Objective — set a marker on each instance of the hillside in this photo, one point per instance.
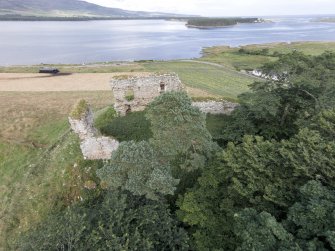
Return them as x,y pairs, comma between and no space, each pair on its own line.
68,8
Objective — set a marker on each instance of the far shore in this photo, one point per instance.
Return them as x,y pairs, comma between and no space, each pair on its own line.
81,18
326,20
120,64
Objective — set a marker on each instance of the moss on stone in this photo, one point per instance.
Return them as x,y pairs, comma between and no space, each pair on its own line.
122,77
129,95
80,109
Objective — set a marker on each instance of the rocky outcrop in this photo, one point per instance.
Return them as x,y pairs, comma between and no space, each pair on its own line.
135,93
216,107
92,145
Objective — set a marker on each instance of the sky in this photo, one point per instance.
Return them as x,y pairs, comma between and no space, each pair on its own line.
226,7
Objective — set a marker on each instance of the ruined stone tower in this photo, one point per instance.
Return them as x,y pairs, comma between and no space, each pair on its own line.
135,93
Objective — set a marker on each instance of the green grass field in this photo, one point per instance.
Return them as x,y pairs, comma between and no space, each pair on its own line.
230,57
212,79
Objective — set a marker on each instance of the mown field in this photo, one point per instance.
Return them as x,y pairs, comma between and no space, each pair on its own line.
40,157
214,80
231,57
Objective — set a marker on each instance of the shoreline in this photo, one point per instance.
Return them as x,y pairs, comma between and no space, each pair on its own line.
4,18
208,27
118,63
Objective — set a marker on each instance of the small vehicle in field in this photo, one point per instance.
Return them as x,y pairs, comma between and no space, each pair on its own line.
49,70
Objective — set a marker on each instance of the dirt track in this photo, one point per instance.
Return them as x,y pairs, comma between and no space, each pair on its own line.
25,82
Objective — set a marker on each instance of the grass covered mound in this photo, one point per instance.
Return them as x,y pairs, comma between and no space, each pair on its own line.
134,126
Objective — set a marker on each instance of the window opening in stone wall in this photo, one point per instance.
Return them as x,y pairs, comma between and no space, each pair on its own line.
162,85
128,109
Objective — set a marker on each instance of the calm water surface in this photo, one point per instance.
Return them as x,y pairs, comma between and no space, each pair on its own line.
100,41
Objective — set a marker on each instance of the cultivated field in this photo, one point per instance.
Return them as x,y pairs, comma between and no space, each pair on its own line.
36,82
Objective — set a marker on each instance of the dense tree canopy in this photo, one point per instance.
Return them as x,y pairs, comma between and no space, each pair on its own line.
258,174
309,224
297,88
136,167
117,221
179,129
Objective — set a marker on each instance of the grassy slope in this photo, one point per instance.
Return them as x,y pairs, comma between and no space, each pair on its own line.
34,157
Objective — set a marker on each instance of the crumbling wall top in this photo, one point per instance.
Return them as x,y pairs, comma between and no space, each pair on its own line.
92,145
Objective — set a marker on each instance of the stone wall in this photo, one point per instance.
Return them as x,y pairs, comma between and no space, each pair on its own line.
144,90
216,107
92,145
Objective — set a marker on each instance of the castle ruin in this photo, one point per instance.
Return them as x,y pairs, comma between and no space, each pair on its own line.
130,94
135,93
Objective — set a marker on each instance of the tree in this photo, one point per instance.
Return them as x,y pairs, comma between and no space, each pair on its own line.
59,231
324,122
116,221
312,217
262,232
259,174
136,167
296,89
310,223
179,130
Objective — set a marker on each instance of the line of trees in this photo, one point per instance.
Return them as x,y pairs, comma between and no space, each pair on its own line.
218,22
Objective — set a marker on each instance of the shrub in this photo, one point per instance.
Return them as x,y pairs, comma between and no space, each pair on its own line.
105,118
134,126
80,109
129,96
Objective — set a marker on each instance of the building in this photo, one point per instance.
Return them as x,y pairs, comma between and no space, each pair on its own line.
132,93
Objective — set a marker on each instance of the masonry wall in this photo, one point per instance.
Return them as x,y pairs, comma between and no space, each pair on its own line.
145,89
92,145
216,107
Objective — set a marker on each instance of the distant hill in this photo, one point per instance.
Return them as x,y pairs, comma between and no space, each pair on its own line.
68,9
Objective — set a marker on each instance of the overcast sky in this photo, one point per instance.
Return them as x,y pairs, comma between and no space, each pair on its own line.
226,7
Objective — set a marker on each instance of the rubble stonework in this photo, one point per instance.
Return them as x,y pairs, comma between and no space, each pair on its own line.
98,147
216,107
144,90
92,145
84,126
